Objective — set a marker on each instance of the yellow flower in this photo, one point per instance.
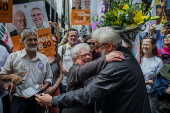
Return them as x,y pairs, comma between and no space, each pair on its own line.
125,7
139,17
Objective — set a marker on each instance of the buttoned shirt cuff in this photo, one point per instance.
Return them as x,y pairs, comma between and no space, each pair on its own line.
55,101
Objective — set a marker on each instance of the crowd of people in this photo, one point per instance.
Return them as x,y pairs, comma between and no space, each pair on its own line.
95,73
99,75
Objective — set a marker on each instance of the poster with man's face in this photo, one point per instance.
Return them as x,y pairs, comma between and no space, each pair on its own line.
86,4
33,16
81,4
28,15
80,16
76,4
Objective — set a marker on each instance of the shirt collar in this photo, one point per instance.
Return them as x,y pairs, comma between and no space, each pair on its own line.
23,53
68,45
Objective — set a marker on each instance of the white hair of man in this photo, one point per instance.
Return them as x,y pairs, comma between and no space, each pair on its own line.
107,35
77,49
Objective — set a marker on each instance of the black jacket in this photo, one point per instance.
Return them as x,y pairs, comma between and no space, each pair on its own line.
117,88
74,82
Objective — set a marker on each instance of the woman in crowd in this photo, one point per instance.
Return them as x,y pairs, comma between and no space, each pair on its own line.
165,51
150,64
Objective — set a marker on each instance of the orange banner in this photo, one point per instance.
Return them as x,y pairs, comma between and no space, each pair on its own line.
80,17
17,44
6,11
46,44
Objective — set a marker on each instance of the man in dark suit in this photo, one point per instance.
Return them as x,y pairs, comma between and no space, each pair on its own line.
118,87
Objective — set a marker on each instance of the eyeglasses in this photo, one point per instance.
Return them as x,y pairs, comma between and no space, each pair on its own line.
84,55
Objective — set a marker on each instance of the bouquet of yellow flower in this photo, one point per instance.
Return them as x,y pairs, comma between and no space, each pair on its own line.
125,14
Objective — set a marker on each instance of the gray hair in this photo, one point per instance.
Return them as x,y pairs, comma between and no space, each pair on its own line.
107,34
26,33
77,48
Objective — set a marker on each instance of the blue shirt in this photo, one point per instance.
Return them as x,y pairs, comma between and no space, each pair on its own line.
3,56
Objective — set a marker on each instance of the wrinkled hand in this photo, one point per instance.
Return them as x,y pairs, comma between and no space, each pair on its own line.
15,78
44,99
115,56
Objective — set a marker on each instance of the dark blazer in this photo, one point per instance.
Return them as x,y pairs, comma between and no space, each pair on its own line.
75,83
118,87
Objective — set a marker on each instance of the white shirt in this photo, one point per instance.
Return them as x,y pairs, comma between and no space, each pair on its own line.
150,68
67,56
37,70
67,59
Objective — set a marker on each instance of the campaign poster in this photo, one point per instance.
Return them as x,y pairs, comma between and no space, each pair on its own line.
98,10
28,15
6,11
81,4
32,15
81,16
46,44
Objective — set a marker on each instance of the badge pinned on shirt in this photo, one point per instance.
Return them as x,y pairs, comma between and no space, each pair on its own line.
40,66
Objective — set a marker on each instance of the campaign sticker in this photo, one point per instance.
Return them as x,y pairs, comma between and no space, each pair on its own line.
40,65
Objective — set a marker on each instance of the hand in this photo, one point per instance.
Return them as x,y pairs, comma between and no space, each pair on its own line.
10,87
44,99
15,78
51,90
63,69
115,56
44,86
167,90
149,82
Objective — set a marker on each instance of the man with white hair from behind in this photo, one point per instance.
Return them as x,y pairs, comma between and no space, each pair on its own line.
118,87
